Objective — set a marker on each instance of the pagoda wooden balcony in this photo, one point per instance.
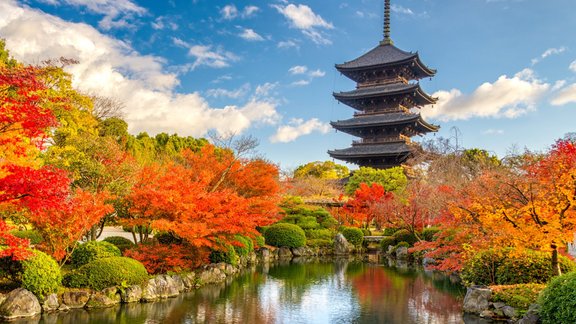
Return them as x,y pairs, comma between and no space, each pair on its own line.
373,141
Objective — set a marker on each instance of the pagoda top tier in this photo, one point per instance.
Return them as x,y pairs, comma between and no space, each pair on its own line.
385,56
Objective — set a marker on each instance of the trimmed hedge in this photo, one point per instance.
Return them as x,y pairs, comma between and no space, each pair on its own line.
107,272
387,241
323,234
120,242
285,235
227,255
40,274
93,250
507,267
519,296
404,235
34,236
353,235
558,300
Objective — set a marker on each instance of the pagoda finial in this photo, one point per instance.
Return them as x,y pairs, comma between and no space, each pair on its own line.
387,40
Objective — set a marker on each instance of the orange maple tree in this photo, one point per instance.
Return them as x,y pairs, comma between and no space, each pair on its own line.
367,205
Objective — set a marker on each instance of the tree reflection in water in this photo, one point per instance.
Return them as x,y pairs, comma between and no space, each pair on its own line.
338,291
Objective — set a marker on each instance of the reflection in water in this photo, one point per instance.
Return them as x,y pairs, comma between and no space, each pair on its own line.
333,292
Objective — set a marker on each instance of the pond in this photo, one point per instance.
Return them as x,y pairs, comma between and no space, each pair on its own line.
337,291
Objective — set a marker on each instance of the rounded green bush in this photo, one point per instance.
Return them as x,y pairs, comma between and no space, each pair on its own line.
402,244
227,255
259,241
324,234
247,247
353,235
366,232
107,272
558,300
386,242
285,235
120,242
40,274
93,250
34,236
319,243
404,235
390,231
429,232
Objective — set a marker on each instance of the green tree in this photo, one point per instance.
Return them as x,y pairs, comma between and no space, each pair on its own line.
323,170
392,179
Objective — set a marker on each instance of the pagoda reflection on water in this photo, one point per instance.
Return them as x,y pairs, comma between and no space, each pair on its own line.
385,100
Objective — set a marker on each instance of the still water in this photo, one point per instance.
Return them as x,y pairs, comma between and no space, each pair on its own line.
338,291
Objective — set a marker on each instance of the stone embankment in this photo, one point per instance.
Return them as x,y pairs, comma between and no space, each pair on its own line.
21,303
478,302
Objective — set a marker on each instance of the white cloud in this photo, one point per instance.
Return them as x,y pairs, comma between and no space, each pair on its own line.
117,13
298,69
303,18
402,10
164,23
110,67
265,90
250,35
565,96
573,66
558,85
229,12
288,44
317,74
233,94
249,11
297,128
547,53
300,83
506,97
493,132
222,78
205,55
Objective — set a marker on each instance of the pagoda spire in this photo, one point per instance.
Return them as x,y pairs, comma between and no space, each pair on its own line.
387,40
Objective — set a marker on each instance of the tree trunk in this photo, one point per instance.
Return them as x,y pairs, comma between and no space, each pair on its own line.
555,264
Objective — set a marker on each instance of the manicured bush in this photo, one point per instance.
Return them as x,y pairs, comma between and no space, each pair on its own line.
324,234
405,236
120,242
519,296
402,244
247,245
227,254
34,236
93,250
40,274
390,231
366,232
107,272
506,266
429,232
386,242
319,243
258,241
285,235
353,235
558,300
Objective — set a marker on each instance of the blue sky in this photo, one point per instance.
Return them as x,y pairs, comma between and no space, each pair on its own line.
506,68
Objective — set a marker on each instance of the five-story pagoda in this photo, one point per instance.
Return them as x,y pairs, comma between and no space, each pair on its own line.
385,100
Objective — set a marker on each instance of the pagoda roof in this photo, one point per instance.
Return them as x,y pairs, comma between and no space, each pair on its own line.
350,97
390,149
386,55
384,119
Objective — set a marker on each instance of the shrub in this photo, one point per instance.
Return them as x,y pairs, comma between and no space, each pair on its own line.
390,231
107,272
558,300
93,250
226,255
405,236
285,235
319,243
387,241
40,274
402,244
167,238
120,242
518,296
324,234
429,232
353,235
366,232
34,236
258,241
162,258
247,245
506,266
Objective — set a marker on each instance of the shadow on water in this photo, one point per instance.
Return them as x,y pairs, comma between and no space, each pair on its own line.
301,291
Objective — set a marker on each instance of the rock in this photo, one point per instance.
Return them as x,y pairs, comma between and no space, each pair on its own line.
2,298
285,253
76,298
189,280
63,308
210,274
50,303
487,314
229,270
149,291
162,286
498,305
20,303
341,245
390,250
178,280
531,316
131,294
251,258
428,262
298,252
509,311
476,299
264,254
99,300
402,253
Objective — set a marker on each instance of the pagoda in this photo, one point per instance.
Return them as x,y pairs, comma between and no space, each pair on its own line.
386,99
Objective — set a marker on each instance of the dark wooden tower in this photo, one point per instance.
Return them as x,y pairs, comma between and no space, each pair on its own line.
386,97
